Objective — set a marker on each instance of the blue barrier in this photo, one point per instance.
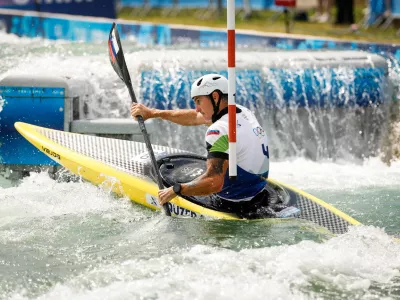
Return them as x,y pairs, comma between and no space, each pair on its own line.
93,8
39,106
155,34
56,28
280,87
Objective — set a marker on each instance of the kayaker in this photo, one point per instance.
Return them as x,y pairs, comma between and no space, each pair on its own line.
249,196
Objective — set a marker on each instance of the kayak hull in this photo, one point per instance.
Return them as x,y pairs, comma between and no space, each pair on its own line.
124,168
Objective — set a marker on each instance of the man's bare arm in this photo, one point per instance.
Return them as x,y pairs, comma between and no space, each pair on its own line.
185,117
210,182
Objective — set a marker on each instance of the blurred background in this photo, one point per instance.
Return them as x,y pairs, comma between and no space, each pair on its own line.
374,20
352,19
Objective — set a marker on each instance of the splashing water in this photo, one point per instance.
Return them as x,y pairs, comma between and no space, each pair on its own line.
71,240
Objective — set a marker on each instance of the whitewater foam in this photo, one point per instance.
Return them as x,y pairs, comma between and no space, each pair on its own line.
351,263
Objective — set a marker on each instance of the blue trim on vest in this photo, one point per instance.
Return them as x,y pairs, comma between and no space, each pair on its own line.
246,185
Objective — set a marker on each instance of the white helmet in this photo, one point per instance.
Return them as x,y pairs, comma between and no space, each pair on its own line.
207,84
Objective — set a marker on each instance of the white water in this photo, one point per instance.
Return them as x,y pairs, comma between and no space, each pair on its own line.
352,265
339,175
349,263
75,241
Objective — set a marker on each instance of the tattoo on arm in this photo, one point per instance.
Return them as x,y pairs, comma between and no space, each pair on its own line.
193,182
217,166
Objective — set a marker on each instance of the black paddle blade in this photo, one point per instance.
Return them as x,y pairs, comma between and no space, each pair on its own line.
116,55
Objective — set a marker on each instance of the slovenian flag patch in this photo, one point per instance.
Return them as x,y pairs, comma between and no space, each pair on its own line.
113,46
212,132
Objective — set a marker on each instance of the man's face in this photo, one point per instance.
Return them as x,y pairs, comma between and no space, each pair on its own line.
204,106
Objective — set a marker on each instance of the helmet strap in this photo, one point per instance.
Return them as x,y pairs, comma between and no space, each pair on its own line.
215,106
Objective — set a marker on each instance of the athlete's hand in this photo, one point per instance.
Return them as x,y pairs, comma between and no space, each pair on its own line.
138,109
166,195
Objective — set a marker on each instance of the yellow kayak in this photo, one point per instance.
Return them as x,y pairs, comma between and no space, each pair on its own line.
124,167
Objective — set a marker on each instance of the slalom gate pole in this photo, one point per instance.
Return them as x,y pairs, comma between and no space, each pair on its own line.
231,89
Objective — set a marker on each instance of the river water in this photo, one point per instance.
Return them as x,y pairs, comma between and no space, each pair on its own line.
71,240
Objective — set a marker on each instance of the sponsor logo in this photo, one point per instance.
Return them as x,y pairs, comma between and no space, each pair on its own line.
192,172
258,131
180,211
152,200
208,85
51,153
212,132
174,209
